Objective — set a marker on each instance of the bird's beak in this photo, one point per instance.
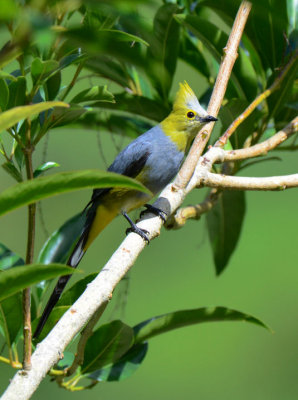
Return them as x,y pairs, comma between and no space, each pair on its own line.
209,118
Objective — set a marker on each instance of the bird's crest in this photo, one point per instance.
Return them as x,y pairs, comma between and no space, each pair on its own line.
186,98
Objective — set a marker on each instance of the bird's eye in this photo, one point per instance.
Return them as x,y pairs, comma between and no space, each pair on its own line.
190,114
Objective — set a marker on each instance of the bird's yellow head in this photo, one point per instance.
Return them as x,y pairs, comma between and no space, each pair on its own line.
186,118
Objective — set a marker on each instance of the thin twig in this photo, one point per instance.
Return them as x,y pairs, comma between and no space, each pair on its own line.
263,147
230,56
86,333
246,113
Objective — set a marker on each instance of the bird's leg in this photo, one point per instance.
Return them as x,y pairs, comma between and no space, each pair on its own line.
133,228
154,210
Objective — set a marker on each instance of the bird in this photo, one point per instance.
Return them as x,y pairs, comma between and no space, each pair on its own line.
154,159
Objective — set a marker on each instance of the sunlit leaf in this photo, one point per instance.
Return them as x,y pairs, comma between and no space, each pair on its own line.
178,319
36,189
45,167
8,258
16,114
15,279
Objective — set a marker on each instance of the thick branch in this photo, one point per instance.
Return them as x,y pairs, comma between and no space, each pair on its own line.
250,183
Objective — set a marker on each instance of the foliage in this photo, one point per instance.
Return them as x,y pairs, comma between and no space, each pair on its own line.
110,40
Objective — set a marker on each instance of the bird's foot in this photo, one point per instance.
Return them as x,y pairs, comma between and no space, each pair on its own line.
154,210
141,232
134,228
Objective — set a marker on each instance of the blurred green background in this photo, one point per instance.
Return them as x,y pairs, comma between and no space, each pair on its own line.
224,361
209,361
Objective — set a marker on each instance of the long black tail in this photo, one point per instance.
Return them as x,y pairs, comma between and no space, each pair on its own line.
73,262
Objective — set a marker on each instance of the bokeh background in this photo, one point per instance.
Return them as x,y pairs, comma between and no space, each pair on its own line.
224,361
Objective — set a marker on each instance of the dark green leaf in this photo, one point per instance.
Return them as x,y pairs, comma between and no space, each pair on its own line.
11,317
17,92
178,319
8,258
8,53
108,68
10,168
106,345
229,112
53,85
10,117
243,75
36,189
124,367
164,47
278,99
44,167
4,95
15,279
60,243
190,53
151,109
73,293
99,93
224,222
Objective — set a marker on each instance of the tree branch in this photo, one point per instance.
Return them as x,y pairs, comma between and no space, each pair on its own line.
249,183
262,148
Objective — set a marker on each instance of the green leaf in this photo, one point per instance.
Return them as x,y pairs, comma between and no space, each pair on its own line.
15,279
243,75
100,93
41,70
40,188
164,47
53,85
17,92
224,223
121,45
16,114
10,168
106,345
8,53
8,258
229,112
9,10
124,367
278,99
6,75
62,116
52,320
140,105
44,167
11,317
178,319
4,95
109,68
73,293
60,243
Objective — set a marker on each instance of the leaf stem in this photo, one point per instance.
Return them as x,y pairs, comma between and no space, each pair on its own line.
73,81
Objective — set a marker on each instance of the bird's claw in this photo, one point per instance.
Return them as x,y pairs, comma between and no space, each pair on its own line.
141,232
155,210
